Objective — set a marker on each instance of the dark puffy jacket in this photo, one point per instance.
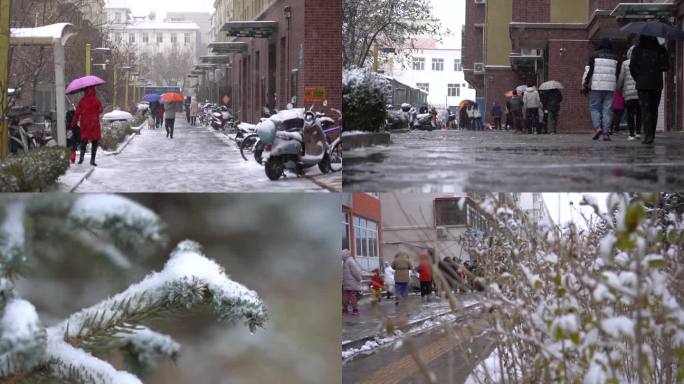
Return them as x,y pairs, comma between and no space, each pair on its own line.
551,100
516,104
649,61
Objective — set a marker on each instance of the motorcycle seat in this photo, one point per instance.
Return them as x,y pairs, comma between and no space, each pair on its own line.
289,135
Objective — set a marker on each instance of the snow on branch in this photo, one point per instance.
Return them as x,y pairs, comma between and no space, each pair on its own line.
22,338
143,346
130,225
12,239
76,365
188,279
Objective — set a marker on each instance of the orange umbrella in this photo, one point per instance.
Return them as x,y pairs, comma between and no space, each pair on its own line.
509,93
464,103
172,97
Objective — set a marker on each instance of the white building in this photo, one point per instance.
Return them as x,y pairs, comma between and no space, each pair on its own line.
148,36
434,69
534,207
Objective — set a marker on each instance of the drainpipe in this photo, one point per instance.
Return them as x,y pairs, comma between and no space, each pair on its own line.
4,72
288,16
59,93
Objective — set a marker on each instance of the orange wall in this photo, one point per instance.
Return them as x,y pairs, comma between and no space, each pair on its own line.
366,206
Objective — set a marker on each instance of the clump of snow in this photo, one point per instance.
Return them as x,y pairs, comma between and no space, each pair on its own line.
65,360
617,326
567,323
144,339
19,322
606,245
355,133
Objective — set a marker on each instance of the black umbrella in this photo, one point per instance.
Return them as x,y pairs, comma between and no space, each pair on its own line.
655,29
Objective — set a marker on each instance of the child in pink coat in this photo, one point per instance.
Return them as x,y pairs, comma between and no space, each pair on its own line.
618,109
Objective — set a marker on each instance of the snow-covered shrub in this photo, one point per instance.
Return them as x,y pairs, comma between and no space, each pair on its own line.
594,305
113,133
34,171
38,229
363,100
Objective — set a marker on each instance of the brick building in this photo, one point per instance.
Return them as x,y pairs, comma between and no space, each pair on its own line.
513,42
361,228
287,51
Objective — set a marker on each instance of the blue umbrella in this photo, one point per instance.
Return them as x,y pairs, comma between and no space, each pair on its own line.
654,29
152,97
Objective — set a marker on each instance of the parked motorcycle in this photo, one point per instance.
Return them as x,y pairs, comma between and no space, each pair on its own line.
220,118
423,122
294,148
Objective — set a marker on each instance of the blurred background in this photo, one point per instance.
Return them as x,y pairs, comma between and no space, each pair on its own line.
284,246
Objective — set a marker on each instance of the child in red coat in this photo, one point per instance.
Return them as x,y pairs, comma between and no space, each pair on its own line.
425,271
376,285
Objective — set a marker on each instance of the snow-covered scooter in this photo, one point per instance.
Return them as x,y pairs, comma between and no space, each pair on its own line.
295,149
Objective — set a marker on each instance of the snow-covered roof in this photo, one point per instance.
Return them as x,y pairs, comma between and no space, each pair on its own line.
163,26
40,35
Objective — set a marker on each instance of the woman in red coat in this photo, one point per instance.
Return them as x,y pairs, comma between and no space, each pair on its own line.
87,116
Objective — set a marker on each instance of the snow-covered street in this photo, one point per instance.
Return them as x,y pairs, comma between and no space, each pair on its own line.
195,160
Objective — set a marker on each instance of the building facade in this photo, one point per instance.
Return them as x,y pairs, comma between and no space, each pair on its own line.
361,224
437,71
292,56
507,43
201,19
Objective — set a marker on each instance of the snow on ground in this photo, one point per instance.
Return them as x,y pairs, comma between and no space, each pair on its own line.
12,229
193,161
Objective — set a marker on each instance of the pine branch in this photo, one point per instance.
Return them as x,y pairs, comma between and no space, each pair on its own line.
143,346
22,338
188,280
77,366
13,240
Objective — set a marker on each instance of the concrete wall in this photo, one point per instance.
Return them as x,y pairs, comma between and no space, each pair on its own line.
564,11
498,44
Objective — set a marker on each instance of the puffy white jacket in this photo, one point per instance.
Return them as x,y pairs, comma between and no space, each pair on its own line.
604,77
531,99
626,82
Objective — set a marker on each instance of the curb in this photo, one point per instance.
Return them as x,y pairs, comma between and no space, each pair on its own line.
118,151
329,187
361,341
350,142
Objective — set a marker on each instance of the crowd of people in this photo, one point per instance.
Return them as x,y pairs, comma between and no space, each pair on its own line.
395,278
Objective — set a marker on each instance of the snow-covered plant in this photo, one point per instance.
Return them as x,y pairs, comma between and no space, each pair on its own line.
34,171
364,100
594,303
110,227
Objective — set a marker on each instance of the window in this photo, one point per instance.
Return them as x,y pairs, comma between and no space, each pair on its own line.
454,90
131,37
424,86
448,212
187,39
160,37
345,230
118,38
418,63
366,238
458,67
437,64
173,38
117,17
145,38
477,222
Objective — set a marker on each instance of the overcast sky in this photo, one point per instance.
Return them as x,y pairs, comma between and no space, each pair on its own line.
452,15
554,201
162,6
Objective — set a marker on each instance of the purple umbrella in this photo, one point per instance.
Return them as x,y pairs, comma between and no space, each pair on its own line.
82,83
152,97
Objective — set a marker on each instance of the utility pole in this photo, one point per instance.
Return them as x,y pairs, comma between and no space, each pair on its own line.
87,58
126,92
4,75
116,72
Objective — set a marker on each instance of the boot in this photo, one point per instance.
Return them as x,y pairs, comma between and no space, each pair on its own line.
94,152
83,149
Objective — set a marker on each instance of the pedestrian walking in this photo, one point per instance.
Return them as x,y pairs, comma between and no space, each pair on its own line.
424,270
389,280
551,100
497,113
517,111
532,104
186,105
509,115
351,283
477,118
169,118
433,117
627,85
649,61
618,109
87,117
376,284
600,78
471,117
463,117
402,268
194,110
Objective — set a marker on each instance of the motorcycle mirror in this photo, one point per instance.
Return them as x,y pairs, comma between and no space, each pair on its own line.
289,106
325,103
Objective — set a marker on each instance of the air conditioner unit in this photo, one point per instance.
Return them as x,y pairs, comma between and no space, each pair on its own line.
442,233
530,52
479,68
480,1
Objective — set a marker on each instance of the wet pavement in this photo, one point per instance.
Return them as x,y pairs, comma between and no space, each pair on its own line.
195,160
457,161
451,357
372,316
